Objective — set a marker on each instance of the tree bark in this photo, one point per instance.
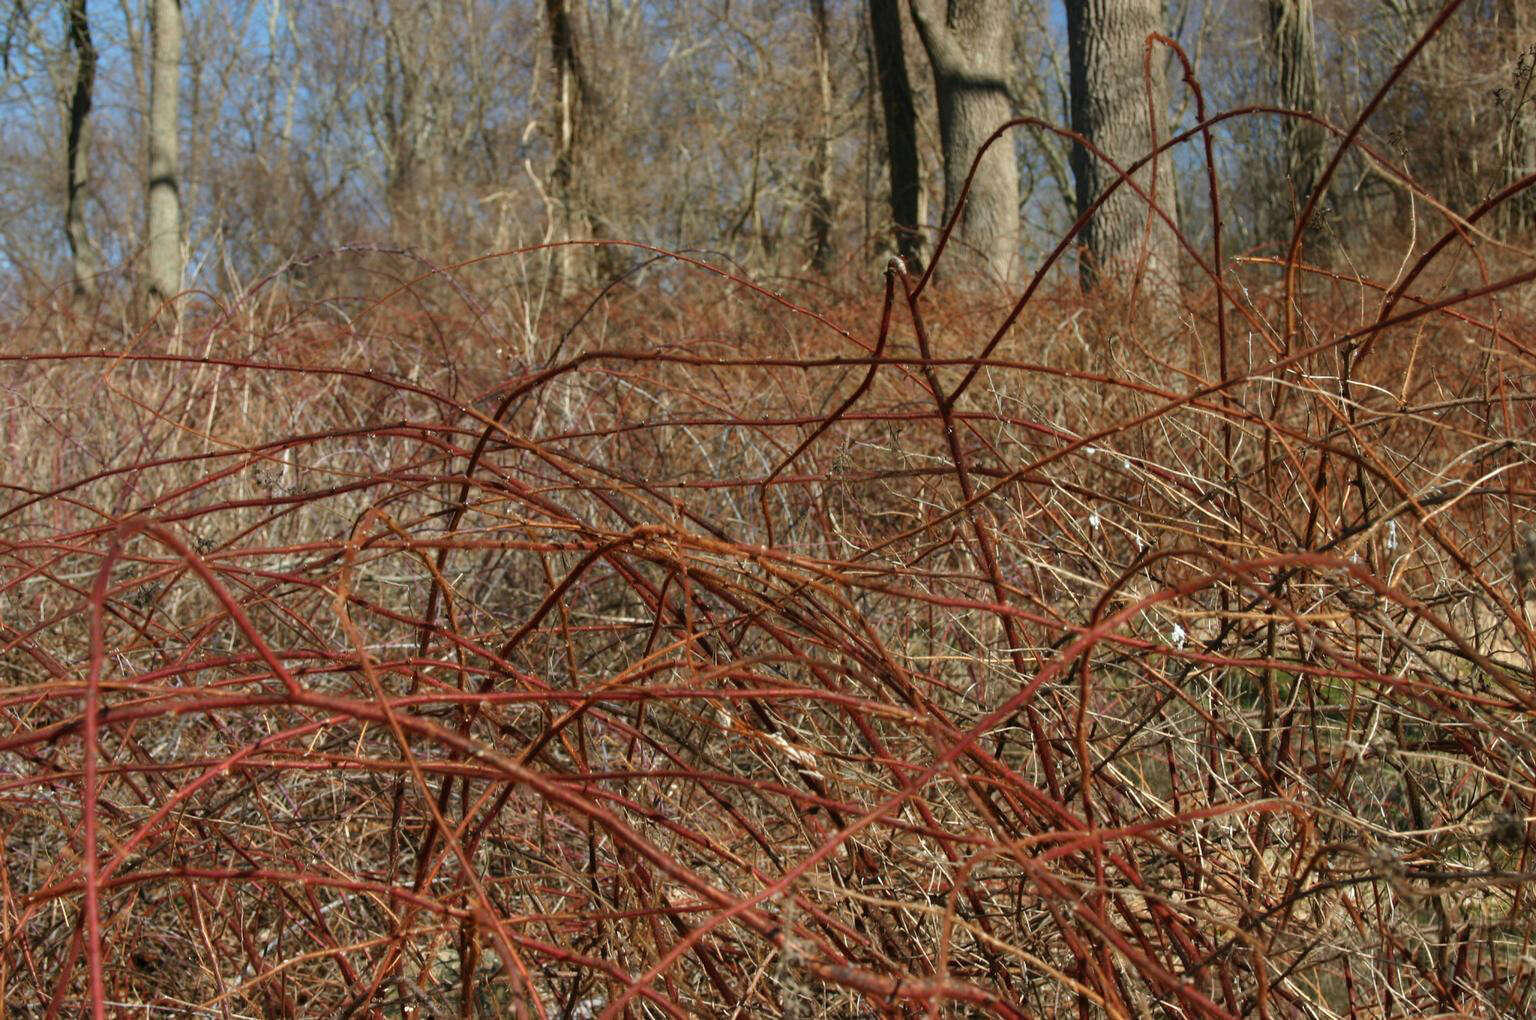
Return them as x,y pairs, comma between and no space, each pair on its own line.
900,115
1295,46
164,207
969,46
1517,105
820,170
567,222
1106,40
82,253
410,35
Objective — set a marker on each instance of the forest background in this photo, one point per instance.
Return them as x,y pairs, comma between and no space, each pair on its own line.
755,130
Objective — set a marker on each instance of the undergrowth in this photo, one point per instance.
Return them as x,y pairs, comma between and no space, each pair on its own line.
686,650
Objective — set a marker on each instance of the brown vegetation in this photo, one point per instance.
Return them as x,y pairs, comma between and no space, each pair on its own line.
409,638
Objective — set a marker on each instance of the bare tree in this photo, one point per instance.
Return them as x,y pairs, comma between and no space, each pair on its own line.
571,88
82,251
900,116
163,230
1106,40
1295,46
1516,98
820,171
970,46
411,112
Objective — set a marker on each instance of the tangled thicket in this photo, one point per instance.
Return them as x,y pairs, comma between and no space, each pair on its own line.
690,652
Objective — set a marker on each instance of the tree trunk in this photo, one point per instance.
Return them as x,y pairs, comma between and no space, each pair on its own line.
566,220
164,210
401,113
1295,46
1517,106
900,115
970,48
415,114
1106,40
820,170
82,252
